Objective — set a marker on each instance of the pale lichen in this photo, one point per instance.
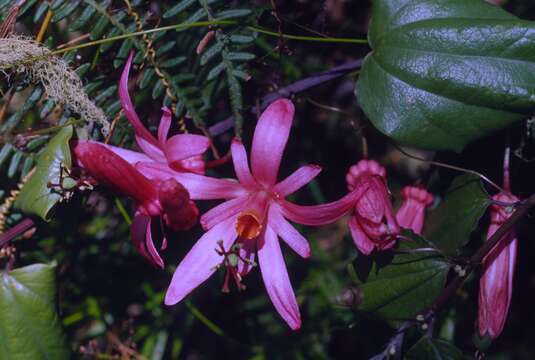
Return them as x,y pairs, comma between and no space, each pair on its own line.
61,83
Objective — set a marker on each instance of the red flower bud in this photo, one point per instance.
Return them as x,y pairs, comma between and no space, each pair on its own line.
158,197
180,213
411,214
373,224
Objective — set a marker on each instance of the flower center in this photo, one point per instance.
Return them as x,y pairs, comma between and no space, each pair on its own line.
248,225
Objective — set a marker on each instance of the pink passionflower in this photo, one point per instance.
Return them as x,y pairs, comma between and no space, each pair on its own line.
411,214
166,199
496,283
373,224
182,152
254,216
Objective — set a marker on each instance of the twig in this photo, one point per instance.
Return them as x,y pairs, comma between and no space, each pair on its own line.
15,231
292,89
44,26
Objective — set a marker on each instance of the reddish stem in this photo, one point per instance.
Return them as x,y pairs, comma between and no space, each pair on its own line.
15,231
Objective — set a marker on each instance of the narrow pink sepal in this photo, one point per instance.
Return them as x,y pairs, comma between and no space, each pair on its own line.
201,261
165,125
297,180
276,279
183,146
128,107
270,138
241,165
287,232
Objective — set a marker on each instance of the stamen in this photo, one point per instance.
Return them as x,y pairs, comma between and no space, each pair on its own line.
231,258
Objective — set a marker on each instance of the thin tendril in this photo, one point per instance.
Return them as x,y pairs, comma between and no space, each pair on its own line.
212,23
448,166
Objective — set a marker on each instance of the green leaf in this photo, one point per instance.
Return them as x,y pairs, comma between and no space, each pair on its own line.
450,225
434,349
241,56
171,63
216,70
37,197
178,8
29,326
443,73
398,289
232,14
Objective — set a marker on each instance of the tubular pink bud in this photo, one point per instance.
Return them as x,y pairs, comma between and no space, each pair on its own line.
373,224
496,283
411,214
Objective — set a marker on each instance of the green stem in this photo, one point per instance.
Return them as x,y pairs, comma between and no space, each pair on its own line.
123,211
307,38
212,23
202,318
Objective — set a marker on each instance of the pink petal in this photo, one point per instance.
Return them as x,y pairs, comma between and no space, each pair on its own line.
411,215
201,261
287,232
142,239
269,141
297,180
165,125
364,244
223,211
128,107
109,168
184,146
276,279
241,166
199,187
194,164
324,213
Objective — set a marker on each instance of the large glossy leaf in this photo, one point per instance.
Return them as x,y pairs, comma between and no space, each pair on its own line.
37,196
445,72
398,289
434,349
450,225
29,326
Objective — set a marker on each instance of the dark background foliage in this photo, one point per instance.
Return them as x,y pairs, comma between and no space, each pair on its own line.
110,297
